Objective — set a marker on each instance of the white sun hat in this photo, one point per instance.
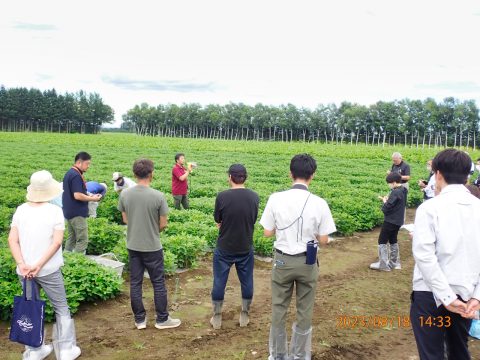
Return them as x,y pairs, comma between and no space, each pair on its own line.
43,187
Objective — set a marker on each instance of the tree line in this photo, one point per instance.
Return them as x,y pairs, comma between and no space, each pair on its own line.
23,109
420,123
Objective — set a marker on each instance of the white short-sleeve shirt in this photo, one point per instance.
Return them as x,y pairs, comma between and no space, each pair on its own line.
35,225
284,208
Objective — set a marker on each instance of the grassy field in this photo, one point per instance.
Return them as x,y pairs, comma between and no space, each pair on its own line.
350,179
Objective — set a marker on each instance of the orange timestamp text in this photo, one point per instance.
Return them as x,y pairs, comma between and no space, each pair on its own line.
372,321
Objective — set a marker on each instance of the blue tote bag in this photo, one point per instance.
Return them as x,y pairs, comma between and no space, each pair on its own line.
28,318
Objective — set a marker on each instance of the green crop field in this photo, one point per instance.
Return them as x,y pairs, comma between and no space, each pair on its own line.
350,178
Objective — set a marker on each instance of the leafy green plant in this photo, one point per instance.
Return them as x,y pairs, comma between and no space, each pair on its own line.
103,236
186,248
4,240
208,232
349,178
262,245
9,283
107,208
170,262
84,281
6,214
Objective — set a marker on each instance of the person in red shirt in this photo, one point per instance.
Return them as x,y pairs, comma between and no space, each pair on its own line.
180,181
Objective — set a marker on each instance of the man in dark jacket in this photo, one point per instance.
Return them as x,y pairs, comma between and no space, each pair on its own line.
394,215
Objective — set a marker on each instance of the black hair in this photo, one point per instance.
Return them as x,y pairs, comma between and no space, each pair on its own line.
454,165
178,155
393,177
303,166
82,156
142,168
238,179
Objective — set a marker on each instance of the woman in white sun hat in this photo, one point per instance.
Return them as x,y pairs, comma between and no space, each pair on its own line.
35,241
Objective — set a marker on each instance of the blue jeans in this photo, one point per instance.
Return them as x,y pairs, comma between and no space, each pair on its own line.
222,262
153,262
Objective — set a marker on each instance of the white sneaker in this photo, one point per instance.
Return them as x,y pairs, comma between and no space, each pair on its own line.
37,353
142,325
168,324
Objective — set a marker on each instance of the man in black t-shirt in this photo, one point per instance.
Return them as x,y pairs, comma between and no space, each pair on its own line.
236,212
401,167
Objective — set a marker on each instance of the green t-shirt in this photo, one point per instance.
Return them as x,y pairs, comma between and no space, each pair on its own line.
143,206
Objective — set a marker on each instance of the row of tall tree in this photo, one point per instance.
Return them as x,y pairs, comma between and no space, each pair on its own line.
411,122
23,109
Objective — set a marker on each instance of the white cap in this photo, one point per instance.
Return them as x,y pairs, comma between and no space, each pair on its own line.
116,176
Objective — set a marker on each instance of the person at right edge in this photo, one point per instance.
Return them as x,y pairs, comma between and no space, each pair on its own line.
446,249
298,219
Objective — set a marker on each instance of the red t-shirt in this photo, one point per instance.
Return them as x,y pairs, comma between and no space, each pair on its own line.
178,187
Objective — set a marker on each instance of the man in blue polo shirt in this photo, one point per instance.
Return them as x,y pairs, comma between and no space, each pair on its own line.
75,203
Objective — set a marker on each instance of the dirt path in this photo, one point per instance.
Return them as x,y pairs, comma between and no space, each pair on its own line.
346,287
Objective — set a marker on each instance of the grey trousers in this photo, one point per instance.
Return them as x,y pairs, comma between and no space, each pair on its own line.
77,240
183,199
289,271
54,288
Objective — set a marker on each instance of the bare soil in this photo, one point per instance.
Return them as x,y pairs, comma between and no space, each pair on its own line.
347,287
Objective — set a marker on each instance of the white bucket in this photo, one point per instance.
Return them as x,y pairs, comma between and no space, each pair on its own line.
113,264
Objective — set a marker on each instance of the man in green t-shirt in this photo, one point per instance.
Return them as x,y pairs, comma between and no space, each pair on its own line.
145,210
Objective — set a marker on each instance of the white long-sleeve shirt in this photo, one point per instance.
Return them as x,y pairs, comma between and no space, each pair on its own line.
430,187
446,246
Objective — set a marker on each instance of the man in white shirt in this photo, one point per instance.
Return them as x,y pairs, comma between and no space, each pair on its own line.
446,248
121,182
428,186
295,217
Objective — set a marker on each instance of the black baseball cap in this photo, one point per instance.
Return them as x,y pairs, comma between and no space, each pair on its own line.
237,170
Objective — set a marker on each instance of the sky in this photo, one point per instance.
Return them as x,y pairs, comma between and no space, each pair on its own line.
252,51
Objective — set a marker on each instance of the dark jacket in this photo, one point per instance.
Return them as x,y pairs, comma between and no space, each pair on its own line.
394,208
